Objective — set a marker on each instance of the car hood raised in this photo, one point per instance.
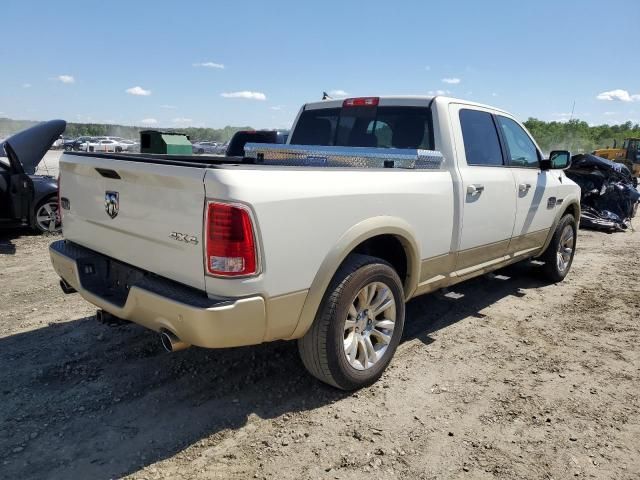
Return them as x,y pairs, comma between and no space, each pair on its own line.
29,146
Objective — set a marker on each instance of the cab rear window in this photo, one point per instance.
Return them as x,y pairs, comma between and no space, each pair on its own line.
380,127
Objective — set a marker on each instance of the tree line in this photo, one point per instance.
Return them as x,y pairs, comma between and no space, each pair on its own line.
575,135
9,127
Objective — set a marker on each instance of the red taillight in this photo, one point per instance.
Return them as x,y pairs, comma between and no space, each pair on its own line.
230,244
361,102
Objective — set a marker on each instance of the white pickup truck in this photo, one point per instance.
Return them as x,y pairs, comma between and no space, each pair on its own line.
372,202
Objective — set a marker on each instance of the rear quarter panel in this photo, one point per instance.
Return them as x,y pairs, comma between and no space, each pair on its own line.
302,213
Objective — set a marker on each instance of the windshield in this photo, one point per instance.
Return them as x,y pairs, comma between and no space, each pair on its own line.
381,127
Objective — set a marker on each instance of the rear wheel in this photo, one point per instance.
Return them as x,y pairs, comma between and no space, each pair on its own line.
559,254
46,217
358,326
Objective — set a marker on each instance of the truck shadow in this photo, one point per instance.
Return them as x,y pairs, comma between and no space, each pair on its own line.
84,400
438,310
9,234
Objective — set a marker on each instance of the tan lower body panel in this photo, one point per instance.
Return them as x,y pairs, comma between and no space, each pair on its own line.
438,272
283,312
528,243
475,256
244,321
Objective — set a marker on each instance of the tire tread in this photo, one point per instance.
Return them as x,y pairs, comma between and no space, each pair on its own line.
313,356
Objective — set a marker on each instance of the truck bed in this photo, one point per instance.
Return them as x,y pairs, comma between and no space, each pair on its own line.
195,161
295,156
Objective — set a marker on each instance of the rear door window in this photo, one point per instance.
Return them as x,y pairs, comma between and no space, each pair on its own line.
481,143
381,127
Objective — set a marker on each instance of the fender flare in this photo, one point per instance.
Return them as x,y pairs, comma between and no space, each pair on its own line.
369,228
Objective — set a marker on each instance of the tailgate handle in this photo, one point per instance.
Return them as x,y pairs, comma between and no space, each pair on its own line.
108,173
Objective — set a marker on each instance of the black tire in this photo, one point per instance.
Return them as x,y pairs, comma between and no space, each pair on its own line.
551,268
38,226
322,348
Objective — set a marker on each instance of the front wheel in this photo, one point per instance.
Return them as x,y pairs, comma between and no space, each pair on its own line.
358,325
558,256
46,217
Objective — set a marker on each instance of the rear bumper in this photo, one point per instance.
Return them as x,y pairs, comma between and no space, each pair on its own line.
160,304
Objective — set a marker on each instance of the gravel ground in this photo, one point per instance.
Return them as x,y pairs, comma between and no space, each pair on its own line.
505,377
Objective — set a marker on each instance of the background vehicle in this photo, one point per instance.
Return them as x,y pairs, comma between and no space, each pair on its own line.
129,145
242,137
609,195
629,154
75,143
205,147
58,143
104,144
27,198
321,240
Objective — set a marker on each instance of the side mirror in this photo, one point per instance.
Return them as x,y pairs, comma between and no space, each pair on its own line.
558,160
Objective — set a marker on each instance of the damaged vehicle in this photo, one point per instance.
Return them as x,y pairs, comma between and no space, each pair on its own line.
27,199
609,195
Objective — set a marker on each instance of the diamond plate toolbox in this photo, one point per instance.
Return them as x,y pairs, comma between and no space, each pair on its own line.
345,157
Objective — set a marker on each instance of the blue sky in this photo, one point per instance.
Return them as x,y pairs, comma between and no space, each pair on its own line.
207,63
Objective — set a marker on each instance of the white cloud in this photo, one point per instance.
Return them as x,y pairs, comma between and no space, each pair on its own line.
276,107
608,114
26,85
337,93
245,94
451,81
427,68
182,120
209,65
138,91
168,107
618,95
149,121
438,92
66,79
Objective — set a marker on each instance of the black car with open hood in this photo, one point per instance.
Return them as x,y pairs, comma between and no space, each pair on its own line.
27,198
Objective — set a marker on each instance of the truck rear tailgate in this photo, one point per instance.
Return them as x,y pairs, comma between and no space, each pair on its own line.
148,215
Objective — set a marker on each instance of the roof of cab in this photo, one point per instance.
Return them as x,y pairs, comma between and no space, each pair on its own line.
401,100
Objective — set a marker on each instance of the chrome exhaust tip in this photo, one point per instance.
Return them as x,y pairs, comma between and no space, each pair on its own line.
171,342
66,288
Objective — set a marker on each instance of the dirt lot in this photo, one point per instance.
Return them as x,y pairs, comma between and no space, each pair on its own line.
514,379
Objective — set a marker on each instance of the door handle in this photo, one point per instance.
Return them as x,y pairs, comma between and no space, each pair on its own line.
524,187
475,189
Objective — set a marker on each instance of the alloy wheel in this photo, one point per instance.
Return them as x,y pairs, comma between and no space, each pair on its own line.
369,325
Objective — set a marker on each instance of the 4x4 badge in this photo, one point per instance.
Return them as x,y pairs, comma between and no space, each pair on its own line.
112,203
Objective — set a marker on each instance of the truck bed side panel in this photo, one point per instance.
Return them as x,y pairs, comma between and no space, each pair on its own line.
303,212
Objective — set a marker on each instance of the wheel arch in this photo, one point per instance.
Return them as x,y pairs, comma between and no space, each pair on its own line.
370,237
38,200
573,207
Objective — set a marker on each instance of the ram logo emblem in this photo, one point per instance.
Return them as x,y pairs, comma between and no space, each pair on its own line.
112,203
